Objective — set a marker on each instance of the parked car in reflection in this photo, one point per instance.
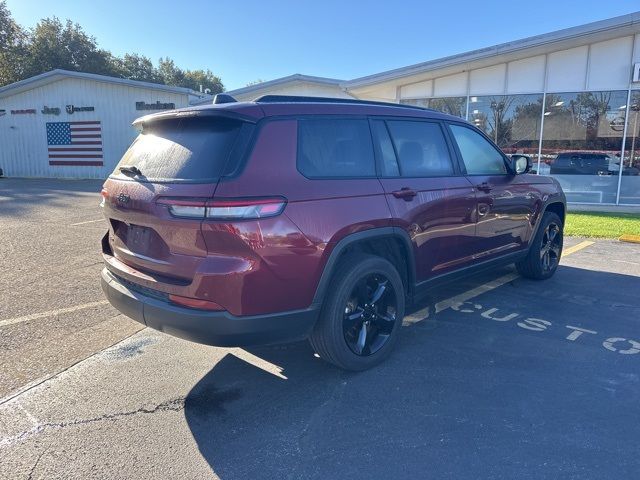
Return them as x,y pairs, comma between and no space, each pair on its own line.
588,163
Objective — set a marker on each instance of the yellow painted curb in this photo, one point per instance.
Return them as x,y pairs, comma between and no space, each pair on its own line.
630,238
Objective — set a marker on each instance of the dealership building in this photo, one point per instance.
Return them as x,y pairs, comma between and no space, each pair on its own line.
569,99
571,95
73,124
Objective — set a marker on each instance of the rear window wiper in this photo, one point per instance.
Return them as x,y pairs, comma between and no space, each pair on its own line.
130,169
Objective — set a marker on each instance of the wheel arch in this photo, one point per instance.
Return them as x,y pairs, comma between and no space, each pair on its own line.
555,204
391,243
558,208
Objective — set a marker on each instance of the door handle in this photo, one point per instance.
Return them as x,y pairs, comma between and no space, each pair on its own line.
405,193
485,187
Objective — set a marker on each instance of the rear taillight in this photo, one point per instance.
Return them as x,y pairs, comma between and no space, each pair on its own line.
104,195
224,209
185,207
195,303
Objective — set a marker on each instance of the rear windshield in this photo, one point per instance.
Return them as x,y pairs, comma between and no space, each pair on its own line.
191,149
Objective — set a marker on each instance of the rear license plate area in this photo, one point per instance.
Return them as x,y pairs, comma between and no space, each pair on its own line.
138,239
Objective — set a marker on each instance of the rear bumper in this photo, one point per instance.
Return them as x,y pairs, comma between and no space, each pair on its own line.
211,328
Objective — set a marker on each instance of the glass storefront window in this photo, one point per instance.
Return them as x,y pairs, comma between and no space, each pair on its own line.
511,121
582,141
630,182
452,105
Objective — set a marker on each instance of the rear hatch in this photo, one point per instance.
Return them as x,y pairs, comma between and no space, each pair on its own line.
174,163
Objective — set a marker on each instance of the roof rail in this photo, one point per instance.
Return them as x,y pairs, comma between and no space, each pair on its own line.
300,99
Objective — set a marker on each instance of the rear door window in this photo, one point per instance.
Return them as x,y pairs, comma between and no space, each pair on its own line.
421,148
335,148
191,149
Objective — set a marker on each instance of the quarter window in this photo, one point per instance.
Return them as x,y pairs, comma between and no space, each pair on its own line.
478,155
385,150
335,148
421,148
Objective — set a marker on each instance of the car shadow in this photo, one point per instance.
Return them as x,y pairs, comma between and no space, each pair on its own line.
461,397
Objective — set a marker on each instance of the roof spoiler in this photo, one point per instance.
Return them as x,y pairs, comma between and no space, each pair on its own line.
140,123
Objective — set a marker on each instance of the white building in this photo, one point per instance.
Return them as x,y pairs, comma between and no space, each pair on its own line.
297,84
72,124
574,92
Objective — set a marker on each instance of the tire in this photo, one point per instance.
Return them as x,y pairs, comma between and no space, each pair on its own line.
350,312
545,251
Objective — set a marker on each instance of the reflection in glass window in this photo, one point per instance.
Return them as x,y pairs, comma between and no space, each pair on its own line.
422,149
511,121
478,155
456,106
335,148
630,184
581,143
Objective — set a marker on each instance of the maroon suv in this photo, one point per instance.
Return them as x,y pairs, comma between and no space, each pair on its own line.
238,224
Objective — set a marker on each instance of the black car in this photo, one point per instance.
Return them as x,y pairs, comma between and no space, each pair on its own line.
584,163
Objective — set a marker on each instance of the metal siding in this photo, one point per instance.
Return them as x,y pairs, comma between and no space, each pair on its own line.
609,66
451,85
526,75
23,143
417,90
488,80
567,70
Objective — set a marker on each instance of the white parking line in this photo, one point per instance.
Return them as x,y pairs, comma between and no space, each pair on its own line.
51,313
423,314
89,221
457,299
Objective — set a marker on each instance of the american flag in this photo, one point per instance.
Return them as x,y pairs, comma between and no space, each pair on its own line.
75,143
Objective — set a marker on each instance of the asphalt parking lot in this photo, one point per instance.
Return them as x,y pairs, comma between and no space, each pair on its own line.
496,377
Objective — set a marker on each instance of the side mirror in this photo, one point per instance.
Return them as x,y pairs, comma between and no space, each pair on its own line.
521,163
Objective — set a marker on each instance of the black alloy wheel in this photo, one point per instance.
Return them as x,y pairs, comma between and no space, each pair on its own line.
370,314
361,314
545,249
550,247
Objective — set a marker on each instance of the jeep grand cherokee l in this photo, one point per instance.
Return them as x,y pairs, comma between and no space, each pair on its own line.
237,224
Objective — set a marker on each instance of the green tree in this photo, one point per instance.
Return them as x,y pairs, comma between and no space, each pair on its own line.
12,47
136,67
54,45
169,73
195,78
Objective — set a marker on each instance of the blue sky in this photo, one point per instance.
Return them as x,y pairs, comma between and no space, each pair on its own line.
244,40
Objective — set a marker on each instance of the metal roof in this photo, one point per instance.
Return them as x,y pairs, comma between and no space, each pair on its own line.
56,75
296,77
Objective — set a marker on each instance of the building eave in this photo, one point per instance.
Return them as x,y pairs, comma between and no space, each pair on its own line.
57,75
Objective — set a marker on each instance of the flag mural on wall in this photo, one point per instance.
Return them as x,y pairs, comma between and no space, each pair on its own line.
75,143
